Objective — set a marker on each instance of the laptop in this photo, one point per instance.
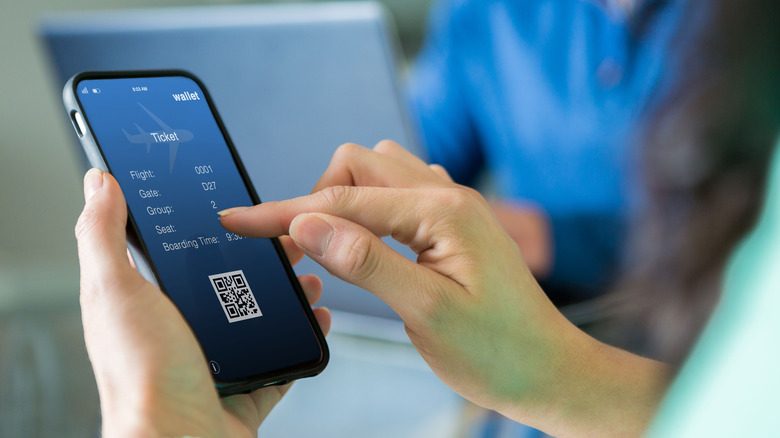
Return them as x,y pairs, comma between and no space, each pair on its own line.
291,81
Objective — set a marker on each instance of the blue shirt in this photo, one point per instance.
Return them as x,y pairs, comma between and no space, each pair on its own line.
547,95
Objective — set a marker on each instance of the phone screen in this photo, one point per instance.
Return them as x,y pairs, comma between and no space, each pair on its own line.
162,143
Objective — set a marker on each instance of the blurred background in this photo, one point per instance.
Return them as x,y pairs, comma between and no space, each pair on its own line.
46,384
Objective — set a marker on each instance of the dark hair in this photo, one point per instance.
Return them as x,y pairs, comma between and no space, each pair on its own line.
706,154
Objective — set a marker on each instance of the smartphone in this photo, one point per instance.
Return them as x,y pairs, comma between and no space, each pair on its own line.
158,133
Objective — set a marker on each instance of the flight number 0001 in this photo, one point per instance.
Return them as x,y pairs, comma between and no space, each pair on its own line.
202,170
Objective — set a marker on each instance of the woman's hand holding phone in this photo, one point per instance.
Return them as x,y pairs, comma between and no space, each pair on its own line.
151,373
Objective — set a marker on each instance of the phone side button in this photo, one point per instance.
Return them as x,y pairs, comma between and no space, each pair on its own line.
78,123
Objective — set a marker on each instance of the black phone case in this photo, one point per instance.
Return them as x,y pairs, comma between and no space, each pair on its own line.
140,253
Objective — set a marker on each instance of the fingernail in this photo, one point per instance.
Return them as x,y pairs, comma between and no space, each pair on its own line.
228,211
311,233
93,181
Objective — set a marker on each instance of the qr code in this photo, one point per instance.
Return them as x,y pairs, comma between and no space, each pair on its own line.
236,297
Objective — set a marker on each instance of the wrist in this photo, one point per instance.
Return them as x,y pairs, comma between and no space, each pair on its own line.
591,389
543,386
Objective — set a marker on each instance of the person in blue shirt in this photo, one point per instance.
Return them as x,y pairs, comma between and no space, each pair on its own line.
548,96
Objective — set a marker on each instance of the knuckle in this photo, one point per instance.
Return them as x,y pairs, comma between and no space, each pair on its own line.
459,200
334,197
385,145
345,151
360,261
438,168
474,193
459,211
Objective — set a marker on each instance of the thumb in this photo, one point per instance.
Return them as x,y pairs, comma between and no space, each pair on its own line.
356,255
100,230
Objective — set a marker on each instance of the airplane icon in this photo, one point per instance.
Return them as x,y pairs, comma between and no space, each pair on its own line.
147,138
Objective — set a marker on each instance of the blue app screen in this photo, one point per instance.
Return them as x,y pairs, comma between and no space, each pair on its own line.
162,143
